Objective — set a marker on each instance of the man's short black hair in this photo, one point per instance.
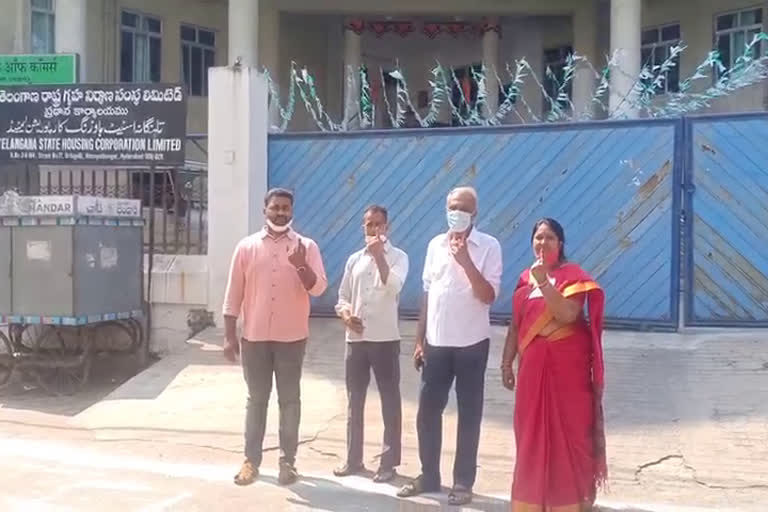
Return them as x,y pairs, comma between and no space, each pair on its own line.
377,208
278,192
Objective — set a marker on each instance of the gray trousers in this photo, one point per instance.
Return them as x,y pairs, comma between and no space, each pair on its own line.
384,359
260,360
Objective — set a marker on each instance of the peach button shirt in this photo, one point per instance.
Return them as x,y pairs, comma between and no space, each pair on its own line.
265,290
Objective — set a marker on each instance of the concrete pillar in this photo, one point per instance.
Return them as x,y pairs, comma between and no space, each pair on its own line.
269,55
243,33
585,44
626,23
491,61
71,31
352,61
237,162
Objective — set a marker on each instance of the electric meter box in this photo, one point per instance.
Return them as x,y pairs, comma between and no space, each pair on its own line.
73,260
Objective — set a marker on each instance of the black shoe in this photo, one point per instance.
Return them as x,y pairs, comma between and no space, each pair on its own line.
384,475
416,487
349,470
288,474
459,496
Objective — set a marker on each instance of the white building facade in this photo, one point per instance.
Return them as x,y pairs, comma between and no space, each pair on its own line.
177,40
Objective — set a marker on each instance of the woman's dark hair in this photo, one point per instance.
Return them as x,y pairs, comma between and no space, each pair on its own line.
559,233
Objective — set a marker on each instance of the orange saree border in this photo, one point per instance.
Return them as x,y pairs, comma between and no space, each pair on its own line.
546,316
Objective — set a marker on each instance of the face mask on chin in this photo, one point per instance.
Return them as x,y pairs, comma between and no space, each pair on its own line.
458,221
277,228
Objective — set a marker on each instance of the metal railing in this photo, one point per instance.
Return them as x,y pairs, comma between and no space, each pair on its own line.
174,199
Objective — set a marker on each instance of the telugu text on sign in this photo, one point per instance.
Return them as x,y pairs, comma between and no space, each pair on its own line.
143,124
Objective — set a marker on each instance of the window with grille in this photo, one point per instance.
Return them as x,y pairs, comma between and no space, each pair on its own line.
657,44
198,53
140,47
734,31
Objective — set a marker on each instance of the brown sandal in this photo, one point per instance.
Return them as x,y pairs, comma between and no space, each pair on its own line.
247,474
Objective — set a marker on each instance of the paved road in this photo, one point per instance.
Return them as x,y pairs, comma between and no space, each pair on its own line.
687,421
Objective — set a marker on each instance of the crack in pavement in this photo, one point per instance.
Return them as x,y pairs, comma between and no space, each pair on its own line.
694,476
315,437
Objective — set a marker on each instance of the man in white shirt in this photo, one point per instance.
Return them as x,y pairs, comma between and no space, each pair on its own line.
462,274
368,301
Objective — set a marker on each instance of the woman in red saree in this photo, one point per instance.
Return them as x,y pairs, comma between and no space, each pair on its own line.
558,417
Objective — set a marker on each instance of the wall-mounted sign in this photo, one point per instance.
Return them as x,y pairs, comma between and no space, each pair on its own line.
54,69
93,124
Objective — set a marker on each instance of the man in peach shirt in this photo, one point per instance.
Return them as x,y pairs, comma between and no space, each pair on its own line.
273,274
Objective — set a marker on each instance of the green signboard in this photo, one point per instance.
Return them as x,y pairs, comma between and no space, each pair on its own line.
51,69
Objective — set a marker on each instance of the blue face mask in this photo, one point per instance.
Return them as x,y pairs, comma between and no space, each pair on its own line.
458,221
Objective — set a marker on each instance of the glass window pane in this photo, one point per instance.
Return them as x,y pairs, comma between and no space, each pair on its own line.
152,25
670,33
209,60
750,17
724,47
207,37
154,59
185,66
551,55
126,57
197,71
650,36
739,44
129,19
39,33
141,57
188,34
673,79
726,21
51,33
45,5
646,55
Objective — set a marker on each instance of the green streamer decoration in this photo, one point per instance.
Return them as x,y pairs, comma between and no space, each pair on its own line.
710,80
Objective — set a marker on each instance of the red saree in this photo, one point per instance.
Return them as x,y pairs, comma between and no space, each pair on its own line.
559,429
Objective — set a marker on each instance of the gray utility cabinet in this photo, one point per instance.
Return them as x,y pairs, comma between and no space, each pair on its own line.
72,259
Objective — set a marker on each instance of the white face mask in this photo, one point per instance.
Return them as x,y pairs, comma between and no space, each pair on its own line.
279,229
458,221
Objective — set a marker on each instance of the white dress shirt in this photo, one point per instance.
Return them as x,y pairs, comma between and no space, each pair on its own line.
455,317
363,294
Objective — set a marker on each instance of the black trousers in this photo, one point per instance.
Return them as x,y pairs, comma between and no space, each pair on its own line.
442,365
260,360
384,359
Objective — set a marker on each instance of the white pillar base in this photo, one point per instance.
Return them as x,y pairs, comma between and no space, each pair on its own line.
237,168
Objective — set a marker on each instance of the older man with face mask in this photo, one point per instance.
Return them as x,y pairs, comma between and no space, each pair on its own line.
462,274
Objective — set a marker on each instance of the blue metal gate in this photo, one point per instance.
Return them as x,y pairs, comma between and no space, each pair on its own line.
727,192
612,186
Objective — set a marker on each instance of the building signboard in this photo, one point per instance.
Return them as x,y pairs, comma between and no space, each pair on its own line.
53,69
107,124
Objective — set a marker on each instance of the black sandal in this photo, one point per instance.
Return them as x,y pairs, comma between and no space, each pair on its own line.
459,496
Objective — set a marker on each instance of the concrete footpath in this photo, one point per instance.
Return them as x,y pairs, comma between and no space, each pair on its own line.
687,421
